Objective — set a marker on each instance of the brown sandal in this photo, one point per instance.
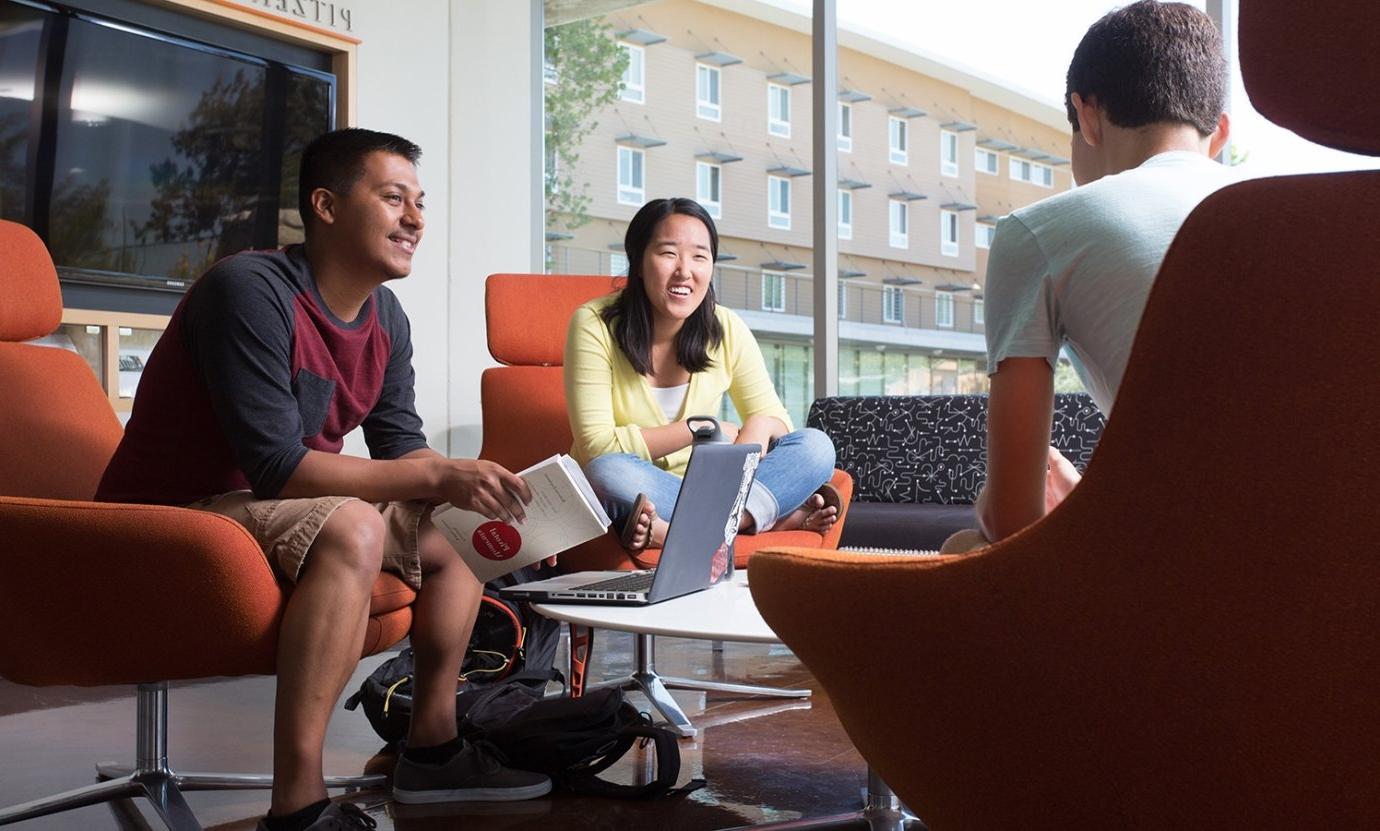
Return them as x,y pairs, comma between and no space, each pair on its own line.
630,527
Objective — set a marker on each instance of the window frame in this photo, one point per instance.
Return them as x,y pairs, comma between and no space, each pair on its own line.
893,299
716,178
983,152
641,86
641,191
705,108
898,153
779,278
777,125
778,219
979,312
948,164
895,238
845,230
949,247
845,137
1046,179
843,299
983,234
944,301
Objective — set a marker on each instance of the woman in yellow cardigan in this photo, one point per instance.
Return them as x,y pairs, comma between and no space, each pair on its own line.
639,362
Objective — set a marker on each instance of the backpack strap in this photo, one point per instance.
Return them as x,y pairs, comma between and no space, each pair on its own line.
667,748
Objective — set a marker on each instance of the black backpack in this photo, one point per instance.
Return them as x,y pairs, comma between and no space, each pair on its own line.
509,642
572,740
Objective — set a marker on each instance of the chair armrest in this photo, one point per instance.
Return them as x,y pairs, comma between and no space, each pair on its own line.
100,593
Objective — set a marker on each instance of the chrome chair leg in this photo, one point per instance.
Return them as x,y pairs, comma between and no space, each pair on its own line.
152,778
881,811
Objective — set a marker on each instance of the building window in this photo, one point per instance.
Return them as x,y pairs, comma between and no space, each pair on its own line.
632,182
779,110
978,312
1024,170
843,300
618,264
985,161
707,100
845,214
779,202
773,291
893,305
948,233
943,310
634,87
983,234
900,224
845,127
709,188
898,141
948,153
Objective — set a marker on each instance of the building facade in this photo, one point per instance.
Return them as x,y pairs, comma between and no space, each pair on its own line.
715,105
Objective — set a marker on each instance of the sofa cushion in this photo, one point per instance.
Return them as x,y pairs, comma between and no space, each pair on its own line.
933,448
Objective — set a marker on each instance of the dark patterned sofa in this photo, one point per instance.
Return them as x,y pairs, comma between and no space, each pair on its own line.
918,461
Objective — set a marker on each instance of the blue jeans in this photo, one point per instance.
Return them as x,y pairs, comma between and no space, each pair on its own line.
796,466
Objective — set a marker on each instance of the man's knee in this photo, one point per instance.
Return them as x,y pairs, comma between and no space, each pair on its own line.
350,540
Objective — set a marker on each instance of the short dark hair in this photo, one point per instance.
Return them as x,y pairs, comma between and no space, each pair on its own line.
630,316
335,161
1151,63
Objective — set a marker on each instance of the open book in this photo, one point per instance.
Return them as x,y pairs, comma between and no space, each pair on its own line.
564,512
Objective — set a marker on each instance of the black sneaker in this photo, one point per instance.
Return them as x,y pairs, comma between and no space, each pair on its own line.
472,775
338,816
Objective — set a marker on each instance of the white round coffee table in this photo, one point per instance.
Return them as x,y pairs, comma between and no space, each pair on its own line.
725,612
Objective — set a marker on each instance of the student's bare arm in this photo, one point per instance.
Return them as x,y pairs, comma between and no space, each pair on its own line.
476,485
1019,412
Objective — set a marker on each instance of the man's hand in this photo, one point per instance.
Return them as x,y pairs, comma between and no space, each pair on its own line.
485,488
1061,479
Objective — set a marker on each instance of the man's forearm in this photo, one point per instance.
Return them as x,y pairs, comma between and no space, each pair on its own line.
416,475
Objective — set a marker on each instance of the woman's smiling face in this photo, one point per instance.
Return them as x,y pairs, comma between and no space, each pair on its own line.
676,268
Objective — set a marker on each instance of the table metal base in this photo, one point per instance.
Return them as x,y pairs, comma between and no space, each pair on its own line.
657,688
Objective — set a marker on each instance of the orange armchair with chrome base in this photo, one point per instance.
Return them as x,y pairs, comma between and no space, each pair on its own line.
524,410
119,594
1190,640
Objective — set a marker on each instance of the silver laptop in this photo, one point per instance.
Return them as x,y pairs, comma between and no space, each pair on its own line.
698,551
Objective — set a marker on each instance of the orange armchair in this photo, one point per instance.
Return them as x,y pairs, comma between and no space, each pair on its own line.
119,594
1190,640
524,409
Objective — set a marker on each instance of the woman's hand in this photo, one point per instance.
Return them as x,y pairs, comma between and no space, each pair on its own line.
760,430
1061,479
730,430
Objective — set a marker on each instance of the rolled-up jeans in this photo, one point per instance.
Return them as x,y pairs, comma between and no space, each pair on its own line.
793,468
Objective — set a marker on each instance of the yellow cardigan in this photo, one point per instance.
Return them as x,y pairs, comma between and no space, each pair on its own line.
609,402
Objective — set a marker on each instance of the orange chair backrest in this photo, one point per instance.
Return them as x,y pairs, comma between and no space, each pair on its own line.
57,429
523,403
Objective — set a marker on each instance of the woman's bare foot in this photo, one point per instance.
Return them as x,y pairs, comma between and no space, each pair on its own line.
814,515
647,529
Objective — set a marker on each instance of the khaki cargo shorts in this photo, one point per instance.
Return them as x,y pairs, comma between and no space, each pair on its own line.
286,528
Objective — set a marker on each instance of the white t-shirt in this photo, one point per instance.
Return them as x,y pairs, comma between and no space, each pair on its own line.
670,399
1076,268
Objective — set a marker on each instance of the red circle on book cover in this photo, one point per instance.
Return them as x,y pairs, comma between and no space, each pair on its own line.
496,541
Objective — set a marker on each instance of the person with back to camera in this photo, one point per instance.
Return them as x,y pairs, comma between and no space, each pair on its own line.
642,360
1144,94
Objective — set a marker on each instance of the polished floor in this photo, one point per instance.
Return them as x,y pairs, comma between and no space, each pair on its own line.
762,759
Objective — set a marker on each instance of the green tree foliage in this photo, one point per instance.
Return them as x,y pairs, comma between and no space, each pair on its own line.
589,67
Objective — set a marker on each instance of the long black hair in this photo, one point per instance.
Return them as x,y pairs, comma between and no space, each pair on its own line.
630,316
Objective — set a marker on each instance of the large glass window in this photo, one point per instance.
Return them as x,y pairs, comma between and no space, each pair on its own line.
156,155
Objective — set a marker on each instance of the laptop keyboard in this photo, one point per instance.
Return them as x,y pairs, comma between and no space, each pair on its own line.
635,582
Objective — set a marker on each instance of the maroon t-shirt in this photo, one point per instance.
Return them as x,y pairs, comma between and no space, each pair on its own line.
252,372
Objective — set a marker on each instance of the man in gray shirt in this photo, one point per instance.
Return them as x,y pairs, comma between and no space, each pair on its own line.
1145,92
